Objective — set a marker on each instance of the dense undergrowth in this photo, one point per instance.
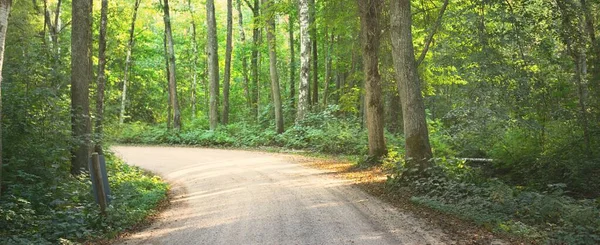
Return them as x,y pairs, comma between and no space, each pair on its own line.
36,210
548,207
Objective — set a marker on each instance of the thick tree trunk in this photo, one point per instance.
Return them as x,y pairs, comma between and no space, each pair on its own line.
275,91
101,79
81,76
418,150
194,63
303,91
370,12
130,44
213,64
227,72
4,11
292,62
172,69
244,57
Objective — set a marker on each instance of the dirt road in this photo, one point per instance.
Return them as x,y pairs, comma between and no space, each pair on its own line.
240,197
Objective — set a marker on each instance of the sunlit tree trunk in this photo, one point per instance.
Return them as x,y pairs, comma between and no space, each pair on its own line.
213,64
303,91
418,150
172,69
81,76
101,79
130,44
244,57
275,91
255,55
4,11
227,73
370,12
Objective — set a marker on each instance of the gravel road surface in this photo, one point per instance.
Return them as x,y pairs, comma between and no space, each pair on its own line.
242,197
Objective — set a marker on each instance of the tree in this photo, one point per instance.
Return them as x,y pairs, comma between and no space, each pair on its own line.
244,57
275,92
227,73
255,60
418,150
4,11
173,102
292,58
101,79
130,44
315,53
370,11
81,76
194,61
213,64
303,91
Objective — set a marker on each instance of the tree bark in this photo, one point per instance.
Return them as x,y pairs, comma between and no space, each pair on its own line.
418,150
194,63
244,57
328,71
5,6
130,44
101,79
292,62
255,55
81,76
227,72
315,59
172,69
303,91
213,64
370,12
275,91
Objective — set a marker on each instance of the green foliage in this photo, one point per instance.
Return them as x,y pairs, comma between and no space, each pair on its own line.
41,212
453,187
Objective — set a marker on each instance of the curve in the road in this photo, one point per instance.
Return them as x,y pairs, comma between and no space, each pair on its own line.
240,197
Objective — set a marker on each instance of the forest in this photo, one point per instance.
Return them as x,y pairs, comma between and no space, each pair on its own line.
488,110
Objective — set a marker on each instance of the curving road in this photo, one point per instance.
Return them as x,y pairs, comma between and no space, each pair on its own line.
240,197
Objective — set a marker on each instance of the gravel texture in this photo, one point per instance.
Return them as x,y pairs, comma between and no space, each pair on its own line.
242,197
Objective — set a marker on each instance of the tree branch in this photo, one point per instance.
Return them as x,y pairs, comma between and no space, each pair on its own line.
429,39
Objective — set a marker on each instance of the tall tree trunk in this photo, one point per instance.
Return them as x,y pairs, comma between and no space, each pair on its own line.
303,91
130,44
418,150
328,71
213,64
275,91
370,12
81,76
292,62
244,57
595,53
255,58
169,107
4,11
172,69
101,79
54,31
315,57
227,72
194,63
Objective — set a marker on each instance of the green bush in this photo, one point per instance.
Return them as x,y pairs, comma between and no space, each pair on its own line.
41,212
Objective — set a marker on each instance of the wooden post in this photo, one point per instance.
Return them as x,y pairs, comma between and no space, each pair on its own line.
100,190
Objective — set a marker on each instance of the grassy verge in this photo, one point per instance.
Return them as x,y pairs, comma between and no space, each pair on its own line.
64,211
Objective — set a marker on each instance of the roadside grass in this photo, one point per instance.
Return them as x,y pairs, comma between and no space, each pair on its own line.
64,212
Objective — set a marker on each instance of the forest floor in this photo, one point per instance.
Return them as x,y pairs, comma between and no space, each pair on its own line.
244,197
